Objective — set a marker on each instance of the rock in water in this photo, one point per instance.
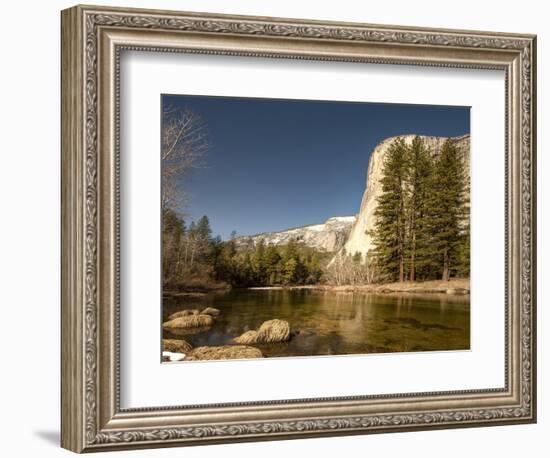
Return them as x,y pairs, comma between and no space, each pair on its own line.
360,240
183,313
189,321
176,345
223,352
270,332
248,337
210,311
274,331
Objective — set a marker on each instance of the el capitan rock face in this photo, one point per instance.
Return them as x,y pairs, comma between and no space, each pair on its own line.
329,236
350,233
359,240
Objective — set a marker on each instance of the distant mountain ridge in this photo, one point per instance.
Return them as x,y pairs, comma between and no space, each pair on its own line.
329,236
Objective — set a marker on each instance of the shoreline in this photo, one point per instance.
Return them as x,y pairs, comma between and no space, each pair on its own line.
457,286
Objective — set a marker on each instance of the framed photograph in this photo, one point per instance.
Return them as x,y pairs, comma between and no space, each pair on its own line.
277,228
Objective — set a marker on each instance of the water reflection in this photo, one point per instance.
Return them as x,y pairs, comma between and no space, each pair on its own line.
333,323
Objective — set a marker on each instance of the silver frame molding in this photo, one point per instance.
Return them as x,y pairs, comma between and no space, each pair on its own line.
92,40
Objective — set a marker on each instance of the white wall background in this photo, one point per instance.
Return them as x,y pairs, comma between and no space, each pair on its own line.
29,241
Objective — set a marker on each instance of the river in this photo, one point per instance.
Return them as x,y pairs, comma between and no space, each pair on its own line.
333,323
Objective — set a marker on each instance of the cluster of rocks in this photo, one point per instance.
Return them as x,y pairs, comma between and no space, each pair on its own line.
176,346
191,318
271,331
181,350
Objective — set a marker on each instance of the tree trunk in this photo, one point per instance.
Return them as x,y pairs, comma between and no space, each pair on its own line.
402,248
413,248
445,276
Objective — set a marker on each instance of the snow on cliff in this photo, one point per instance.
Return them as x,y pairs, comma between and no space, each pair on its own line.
329,236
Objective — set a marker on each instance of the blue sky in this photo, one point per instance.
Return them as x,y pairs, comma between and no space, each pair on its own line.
275,164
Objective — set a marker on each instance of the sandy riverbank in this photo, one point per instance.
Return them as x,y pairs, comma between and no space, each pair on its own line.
454,286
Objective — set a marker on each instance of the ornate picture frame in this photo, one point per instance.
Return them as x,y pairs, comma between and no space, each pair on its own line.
92,41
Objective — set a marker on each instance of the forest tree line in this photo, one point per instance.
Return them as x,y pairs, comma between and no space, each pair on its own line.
194,259
422,229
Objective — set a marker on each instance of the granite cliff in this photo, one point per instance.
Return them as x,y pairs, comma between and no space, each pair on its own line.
359,239
351,233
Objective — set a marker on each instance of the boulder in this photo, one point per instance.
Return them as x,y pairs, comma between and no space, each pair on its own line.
223,352
269,332
274,331
176,345
183,313
189,321
248,337
211,311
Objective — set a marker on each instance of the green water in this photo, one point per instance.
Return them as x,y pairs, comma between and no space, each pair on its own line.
329,323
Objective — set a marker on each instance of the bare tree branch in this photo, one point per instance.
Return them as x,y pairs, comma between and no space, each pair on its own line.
183,144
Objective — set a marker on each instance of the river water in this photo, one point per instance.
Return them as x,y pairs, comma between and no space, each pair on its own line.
333,323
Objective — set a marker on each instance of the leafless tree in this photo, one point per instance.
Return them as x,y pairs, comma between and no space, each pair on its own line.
183,144
350,270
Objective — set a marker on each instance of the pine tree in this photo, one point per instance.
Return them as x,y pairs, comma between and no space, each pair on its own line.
313,269
290,250
224,268
301,273
259,263
446,208
243,271
203,233
463,254
203,228
463,249
173,232
289,271
171,222
389,233
273,259
419,170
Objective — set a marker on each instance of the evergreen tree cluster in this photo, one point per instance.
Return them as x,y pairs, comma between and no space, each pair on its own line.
269,265
189,253
193,257
422,217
